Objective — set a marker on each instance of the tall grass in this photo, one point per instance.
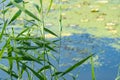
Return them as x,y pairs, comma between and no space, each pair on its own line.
28,54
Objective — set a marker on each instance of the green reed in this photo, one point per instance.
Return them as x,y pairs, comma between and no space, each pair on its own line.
25,47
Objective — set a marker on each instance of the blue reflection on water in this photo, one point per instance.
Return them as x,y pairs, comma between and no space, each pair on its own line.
78,46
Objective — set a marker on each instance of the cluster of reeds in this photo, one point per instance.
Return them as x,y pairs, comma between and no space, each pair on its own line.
27,51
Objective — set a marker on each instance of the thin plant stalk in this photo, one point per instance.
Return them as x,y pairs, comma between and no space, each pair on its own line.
43,34
60,31
92,69
3,5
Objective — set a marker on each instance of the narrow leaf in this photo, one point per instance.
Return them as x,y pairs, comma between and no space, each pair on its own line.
22,32
17,1
49,31
25,10
4,11
37,7
75,65
3,29
6,69
34,72
16,15
51,1
3,48
44,68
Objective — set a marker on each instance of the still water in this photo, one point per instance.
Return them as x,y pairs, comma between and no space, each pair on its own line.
106,59
78,46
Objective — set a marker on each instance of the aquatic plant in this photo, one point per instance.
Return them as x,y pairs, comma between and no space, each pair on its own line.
27,51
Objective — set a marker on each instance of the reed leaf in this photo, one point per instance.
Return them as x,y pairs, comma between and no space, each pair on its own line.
51,1
57,73
3,48
25,10
3,30
27,56
22,32
42,44
6,69
44,68
4,11
16,15
34,72
28,47
37,7
51,32
3,1
75,65
23,58
9,52
17,1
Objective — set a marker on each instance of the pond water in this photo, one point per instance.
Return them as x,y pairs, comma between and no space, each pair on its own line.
78,46
106,58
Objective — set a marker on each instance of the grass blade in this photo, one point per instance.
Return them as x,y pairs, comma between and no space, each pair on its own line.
75,65
37,7
34,72
6,69
4,11
3,48
25,10
28,56
49,31
3,29
44,68
51,1
16,15
28,47
22,32
17,1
